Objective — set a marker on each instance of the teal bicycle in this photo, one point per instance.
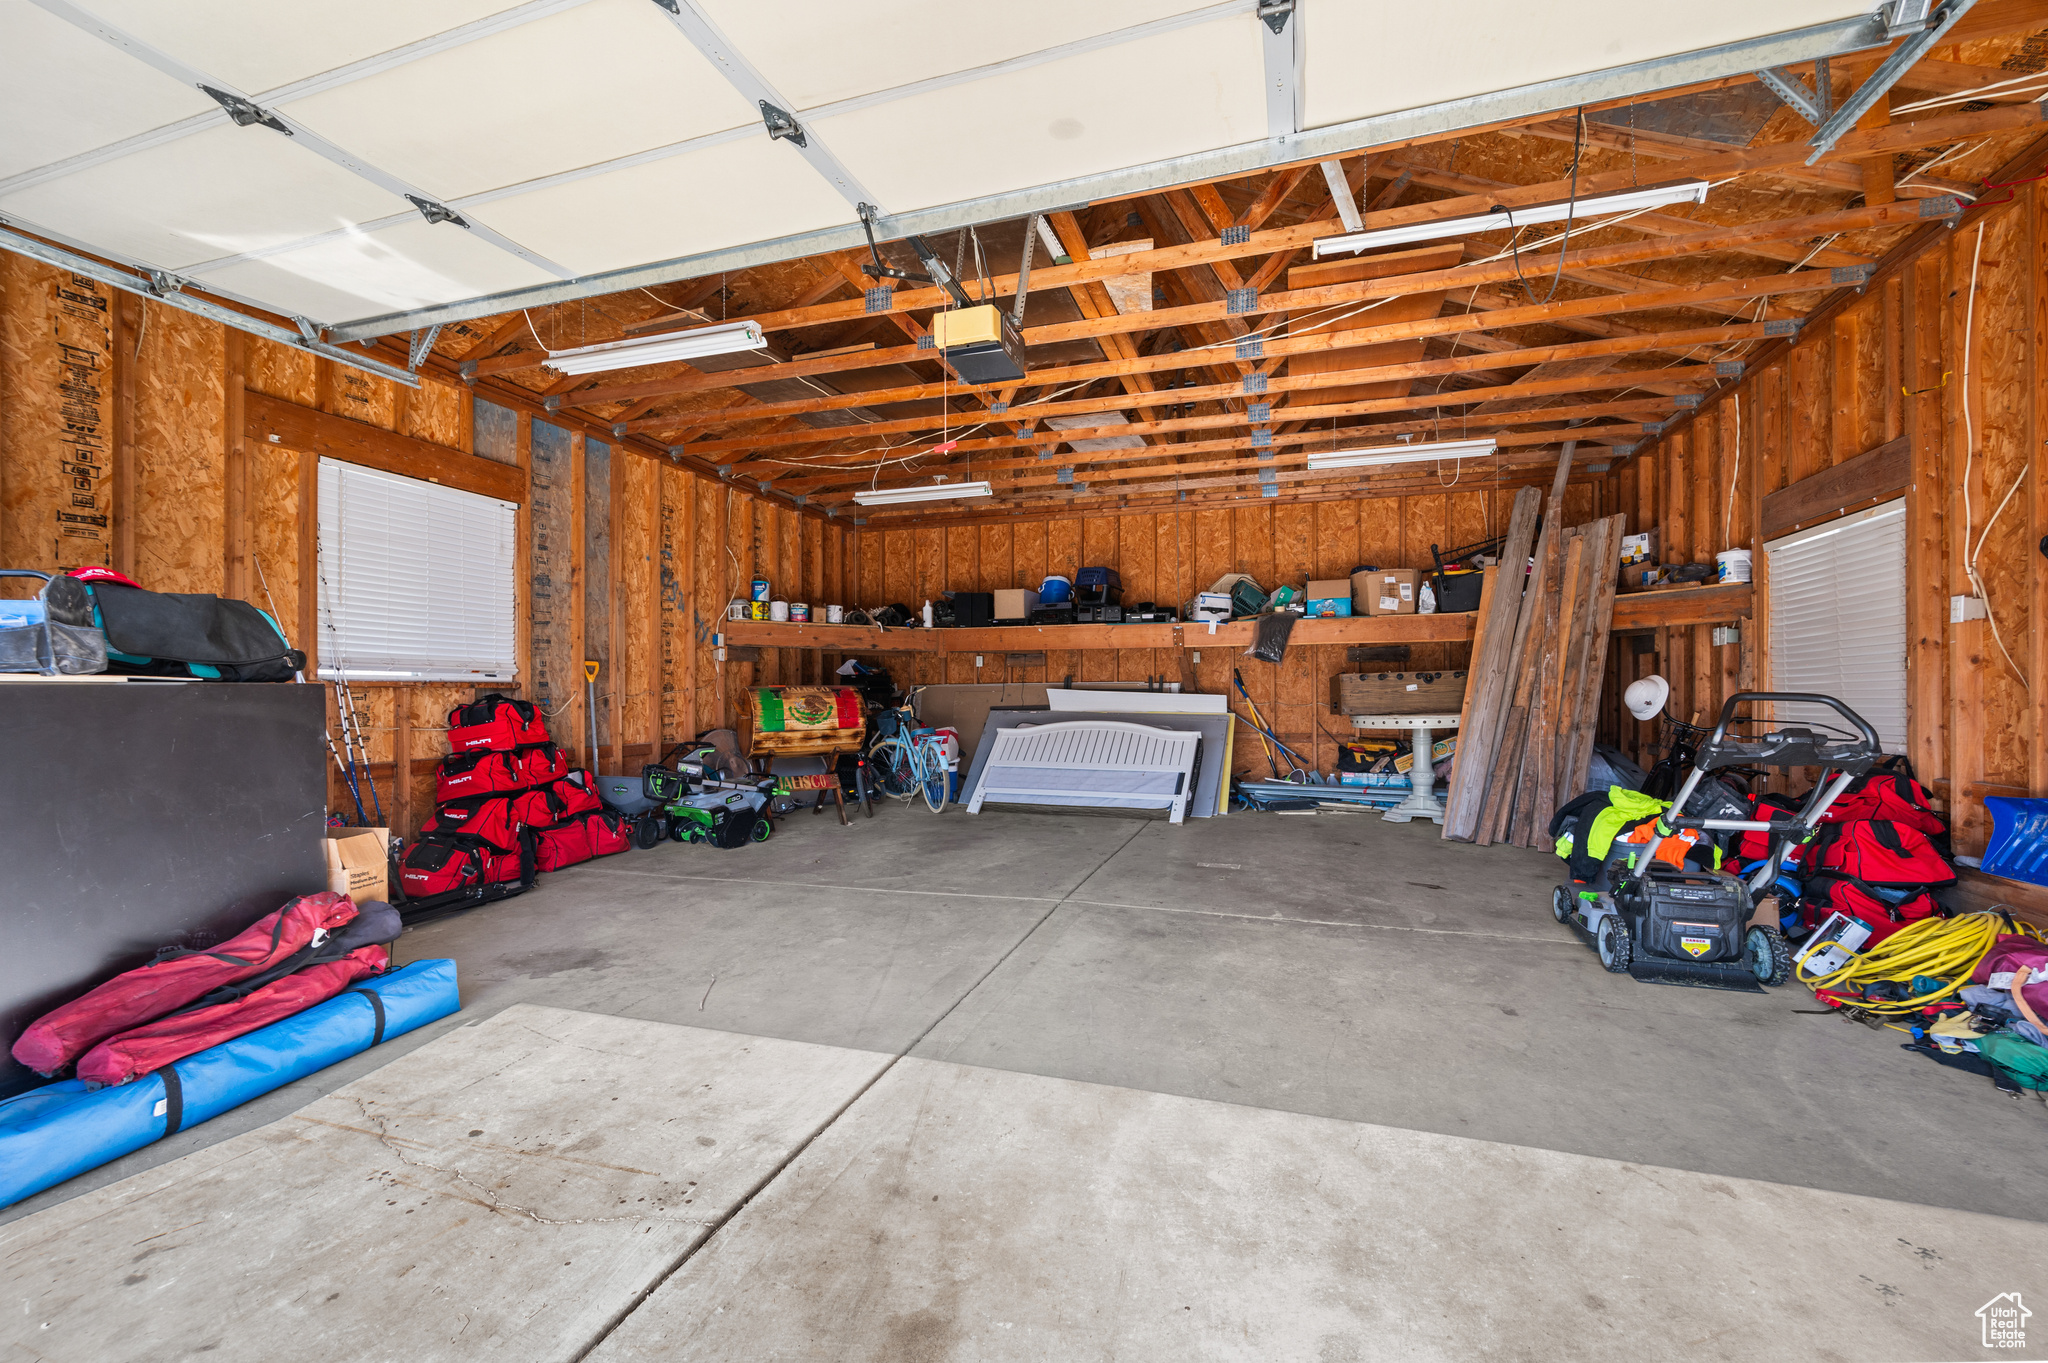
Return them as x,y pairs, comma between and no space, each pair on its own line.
910,761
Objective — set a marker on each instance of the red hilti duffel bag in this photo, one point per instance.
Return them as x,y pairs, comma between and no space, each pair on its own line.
1890,796
510,868
463,776
1881,852
441,863
495,819
146,1049
1868,904
597,833
175,978
575,794
540,764
495,723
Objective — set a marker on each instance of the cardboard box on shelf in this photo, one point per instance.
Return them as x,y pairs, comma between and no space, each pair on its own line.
1328,599
1385,591
359,863
1639,548
1636,577
1015,604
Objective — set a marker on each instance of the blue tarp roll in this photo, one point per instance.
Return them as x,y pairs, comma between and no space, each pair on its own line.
60,1130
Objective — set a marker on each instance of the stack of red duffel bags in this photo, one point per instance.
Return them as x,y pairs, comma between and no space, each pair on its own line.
1881,853
506,807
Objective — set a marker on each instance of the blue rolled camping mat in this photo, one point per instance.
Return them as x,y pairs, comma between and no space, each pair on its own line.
61,1130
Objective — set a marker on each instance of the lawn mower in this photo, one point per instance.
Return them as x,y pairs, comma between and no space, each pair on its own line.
1658,907
704,806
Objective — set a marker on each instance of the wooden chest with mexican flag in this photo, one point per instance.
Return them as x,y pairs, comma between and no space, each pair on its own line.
805,709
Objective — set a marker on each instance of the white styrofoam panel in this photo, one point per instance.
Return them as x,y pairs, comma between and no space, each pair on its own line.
724,195
1189,90
202,197
411,265
1502,44
63,91
818,51
560,78
258,45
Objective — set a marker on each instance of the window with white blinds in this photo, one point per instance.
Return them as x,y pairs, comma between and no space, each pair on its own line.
416,579
1838,617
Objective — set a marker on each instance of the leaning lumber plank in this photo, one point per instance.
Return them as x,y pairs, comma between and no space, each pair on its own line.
1581,756
1539,761
1486,700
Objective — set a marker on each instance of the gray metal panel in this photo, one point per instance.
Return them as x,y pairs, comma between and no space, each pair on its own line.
139,815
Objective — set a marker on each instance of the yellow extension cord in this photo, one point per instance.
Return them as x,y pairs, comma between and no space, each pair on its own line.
1945,948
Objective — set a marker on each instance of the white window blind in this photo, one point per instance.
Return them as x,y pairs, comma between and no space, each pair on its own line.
416,580
1838,617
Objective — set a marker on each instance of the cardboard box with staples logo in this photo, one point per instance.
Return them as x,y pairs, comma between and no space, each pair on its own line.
359,863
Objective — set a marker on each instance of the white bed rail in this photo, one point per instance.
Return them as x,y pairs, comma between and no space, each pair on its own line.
1090,762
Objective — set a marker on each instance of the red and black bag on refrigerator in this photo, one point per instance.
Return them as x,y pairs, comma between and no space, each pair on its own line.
495,723
1871,905
1880,852
462,776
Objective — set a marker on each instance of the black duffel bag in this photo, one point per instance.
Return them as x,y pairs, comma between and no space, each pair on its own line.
176,634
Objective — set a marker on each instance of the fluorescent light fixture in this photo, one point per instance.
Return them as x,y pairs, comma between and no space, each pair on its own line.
1691,191
930,492
664,345
1401,454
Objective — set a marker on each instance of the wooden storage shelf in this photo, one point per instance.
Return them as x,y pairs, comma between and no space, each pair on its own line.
1643,610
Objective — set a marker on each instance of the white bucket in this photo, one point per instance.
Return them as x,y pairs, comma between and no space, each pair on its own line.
835,615
778,610
1733,565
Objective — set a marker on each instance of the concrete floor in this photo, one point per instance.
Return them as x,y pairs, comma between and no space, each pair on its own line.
1028,1085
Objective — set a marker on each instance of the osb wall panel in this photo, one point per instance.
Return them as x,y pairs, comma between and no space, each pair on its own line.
180,458
636,588
1894,363
1166,557
56,373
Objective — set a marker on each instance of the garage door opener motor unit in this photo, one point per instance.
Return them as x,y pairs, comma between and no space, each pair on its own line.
1664,922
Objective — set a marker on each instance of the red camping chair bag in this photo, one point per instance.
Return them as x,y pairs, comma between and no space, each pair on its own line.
169,1040
540,764
492,819
1880,852
1826,894
577,794
441,864
175,978
463,775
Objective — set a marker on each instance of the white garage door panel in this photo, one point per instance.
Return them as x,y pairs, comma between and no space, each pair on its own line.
1424,52
725,195
406,266
202,197
818,51
77,93
603,80
258,45
1188,90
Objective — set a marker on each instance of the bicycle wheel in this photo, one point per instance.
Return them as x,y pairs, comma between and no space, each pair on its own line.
933,779
894,767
